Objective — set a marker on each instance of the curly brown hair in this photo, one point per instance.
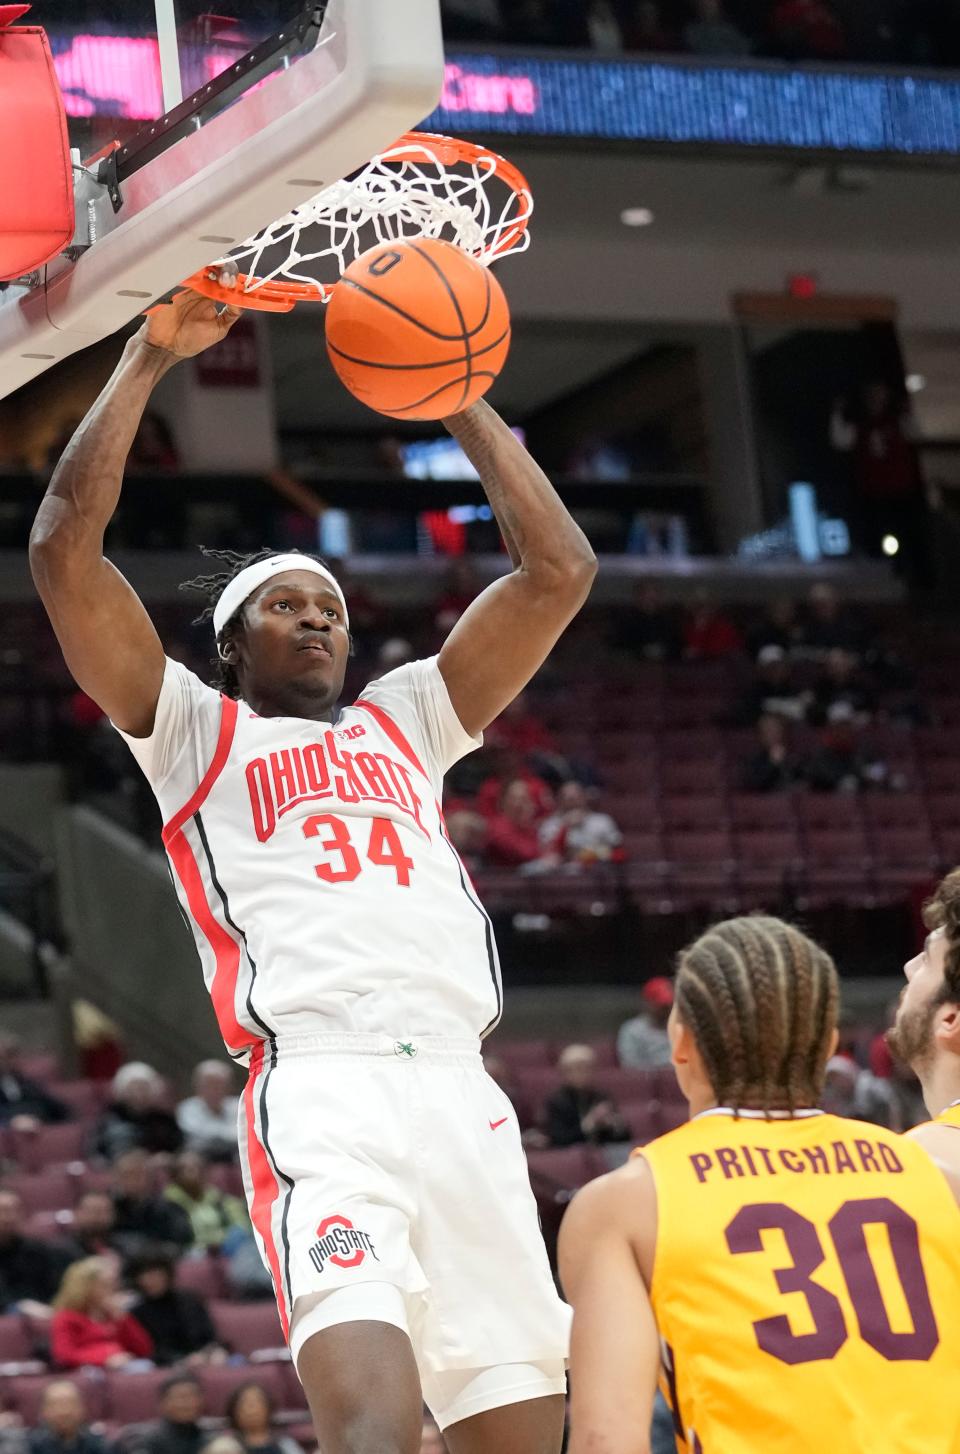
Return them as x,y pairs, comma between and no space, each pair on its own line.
942,911
761,1001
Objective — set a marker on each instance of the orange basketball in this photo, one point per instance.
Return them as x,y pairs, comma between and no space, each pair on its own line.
418,330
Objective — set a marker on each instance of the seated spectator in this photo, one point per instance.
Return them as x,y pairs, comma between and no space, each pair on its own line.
643,1042
178,1429
136,1115
644,29
89,1327
648,629
806,30
841,684
828,625
219,1223
507,771
780,626
208,1118
467,831
250,1414
519,730
578,1111
773,767
603,28
142,1220
213,1215
178,1322
24,1104
92,1229
512,833
30,1270
774,691
63,1427
713,33
709,634
841,763
576,833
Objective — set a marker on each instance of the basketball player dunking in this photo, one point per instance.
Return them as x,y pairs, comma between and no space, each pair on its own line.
926,1034
793,1276
350,963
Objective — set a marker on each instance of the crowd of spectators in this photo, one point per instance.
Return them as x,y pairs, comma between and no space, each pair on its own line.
877,32
100,1287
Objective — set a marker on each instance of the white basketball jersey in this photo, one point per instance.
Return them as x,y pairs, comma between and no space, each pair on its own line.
313,866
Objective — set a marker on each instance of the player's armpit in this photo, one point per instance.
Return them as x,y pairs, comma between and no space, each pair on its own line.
615,1353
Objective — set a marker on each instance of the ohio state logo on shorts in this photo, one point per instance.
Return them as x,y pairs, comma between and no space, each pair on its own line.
339,1242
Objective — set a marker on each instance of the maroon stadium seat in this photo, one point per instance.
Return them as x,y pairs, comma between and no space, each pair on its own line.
203,1276
773,811
132,1398
944,809
16,1344
220,1382
641,1117
84,1097
941,775
565,1167
247,1327
49,1146
50,1226
697,776
708,813
43,1191
293,1395
822,812
25,1394
39,1065
835,845
523,1055
894,810
671,1114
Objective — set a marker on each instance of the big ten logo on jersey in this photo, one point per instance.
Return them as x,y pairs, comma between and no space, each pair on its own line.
340,1243
283,779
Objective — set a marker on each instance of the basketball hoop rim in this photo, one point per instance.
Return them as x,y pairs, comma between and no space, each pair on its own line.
422,147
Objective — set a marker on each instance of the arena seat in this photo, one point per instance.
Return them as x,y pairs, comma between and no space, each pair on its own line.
132,1398
203,1276
25,1394
16,1342
221,1381
247,1327
43,1191
49,1146
688,812
565,1167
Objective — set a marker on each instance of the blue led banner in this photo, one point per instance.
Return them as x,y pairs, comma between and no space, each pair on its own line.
735,105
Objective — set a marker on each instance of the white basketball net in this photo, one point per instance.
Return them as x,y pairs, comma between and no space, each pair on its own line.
399,195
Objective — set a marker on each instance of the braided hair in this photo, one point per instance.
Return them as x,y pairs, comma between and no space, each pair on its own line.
761,1001
943,912
224,673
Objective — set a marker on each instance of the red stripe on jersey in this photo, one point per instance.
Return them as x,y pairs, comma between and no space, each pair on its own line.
228,726
390,727
266,1188
225,948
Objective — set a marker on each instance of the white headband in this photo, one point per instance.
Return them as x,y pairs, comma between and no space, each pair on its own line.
243,585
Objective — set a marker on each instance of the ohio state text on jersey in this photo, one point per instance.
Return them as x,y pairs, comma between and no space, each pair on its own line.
312,863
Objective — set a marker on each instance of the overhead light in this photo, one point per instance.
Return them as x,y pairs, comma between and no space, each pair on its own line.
890,545
916,383
636,217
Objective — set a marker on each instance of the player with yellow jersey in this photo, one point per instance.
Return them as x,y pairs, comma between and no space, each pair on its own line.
926,1034
794,1277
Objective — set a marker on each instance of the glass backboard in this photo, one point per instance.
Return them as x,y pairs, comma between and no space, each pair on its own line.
123,63
209,153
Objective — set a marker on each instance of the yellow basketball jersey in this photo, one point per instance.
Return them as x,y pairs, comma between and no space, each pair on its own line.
950,1116
806,1286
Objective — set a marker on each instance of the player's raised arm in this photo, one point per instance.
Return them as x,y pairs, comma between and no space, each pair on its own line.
504,637
108,640
615,1349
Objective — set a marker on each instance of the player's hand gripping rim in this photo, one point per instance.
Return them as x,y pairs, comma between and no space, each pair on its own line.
186,323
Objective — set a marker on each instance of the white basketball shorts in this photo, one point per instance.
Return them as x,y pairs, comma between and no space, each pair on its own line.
395,1168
